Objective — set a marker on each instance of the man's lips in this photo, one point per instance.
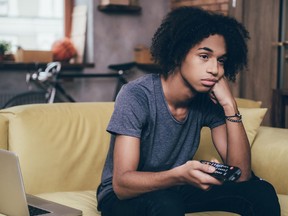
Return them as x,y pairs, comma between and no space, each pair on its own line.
209,82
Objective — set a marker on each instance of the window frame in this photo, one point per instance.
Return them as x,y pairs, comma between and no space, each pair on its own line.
68,7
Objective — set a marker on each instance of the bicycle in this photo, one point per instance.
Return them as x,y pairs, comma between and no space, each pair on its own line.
48,84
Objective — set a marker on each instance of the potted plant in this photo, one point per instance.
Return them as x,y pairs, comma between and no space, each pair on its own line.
4,48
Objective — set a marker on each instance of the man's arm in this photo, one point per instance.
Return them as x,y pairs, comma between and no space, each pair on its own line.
231,140
128,182
231,143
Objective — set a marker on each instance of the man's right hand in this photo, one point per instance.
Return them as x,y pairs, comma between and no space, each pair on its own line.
197,174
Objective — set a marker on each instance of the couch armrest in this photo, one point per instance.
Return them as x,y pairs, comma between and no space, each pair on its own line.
270,157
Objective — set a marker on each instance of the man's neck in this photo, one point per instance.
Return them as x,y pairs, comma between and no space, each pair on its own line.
176,92
177,96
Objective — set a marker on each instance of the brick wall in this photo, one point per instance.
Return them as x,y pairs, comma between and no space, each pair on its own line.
221,6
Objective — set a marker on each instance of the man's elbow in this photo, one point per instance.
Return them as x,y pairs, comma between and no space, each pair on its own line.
120,191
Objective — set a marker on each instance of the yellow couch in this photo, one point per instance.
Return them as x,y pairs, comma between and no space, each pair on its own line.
62,148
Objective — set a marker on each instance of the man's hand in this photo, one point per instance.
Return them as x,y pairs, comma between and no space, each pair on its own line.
197,174
222,94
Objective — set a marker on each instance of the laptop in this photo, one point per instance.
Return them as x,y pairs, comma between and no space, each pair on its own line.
13,199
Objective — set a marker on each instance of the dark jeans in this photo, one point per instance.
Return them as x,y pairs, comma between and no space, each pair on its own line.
254,197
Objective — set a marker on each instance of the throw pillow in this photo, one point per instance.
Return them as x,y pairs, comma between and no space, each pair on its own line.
247,103
252,119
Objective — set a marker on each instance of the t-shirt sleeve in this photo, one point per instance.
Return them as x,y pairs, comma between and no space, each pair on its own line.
130,112
214,114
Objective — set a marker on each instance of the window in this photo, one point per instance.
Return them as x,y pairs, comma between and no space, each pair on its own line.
32,24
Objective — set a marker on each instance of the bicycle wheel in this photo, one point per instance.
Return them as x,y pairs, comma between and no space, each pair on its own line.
31,97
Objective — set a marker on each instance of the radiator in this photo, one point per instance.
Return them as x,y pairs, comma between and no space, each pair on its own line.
5,97
30,97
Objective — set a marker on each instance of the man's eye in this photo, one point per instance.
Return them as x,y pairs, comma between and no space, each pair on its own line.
221,61
204,56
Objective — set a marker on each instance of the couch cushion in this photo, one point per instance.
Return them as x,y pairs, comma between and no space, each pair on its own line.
206,150
82,200
4,132
270,157
283,200
61,147
86,201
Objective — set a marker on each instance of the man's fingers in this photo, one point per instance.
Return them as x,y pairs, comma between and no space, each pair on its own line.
214,160
207,168
213,97
200,175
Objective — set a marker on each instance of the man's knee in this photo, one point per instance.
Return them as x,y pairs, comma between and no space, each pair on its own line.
264,198
268,193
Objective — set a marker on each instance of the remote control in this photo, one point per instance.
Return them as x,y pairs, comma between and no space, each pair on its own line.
224,172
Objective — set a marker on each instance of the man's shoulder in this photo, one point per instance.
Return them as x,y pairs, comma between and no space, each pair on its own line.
142,84
144,80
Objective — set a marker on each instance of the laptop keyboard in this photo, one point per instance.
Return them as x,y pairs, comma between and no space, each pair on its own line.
36,211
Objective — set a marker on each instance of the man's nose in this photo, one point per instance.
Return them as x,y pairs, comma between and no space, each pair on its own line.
213,67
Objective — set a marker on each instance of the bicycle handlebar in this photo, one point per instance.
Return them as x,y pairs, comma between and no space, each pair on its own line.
52,69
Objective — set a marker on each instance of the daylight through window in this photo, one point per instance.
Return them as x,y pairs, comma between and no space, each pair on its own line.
31,24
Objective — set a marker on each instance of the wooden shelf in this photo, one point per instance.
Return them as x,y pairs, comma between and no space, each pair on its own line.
150,68
119,9
9,65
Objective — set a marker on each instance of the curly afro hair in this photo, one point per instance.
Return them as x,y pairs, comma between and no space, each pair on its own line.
185,27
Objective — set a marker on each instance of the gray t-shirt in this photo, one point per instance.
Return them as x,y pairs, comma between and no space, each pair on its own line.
141,111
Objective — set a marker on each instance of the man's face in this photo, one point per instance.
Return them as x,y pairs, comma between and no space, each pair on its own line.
204,64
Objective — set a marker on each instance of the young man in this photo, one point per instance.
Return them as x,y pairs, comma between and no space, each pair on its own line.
157,121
